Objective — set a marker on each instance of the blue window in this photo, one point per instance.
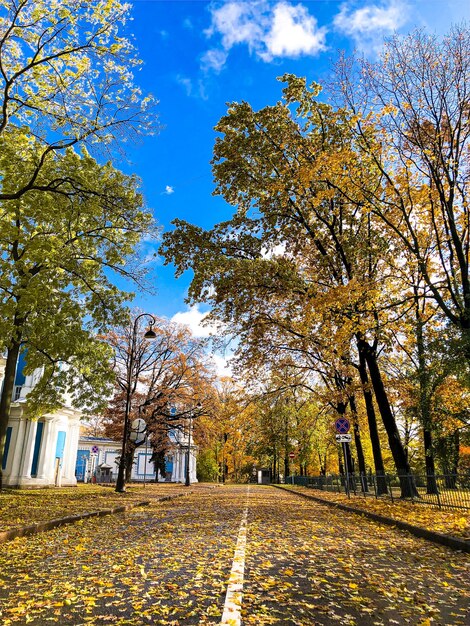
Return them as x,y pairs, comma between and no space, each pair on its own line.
37,447
20,378
82,458
7,447
59,451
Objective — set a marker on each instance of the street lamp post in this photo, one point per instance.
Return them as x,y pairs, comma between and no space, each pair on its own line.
188,451
149,334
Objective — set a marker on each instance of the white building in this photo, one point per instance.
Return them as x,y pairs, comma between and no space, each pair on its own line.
98,457
48,452
42,452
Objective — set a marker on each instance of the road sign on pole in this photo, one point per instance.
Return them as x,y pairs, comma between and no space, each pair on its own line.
344,438
342,425
291,455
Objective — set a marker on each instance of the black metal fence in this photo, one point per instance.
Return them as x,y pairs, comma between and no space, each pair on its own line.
441,490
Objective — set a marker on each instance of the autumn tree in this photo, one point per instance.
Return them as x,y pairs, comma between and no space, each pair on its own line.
59,256
68,223
164,378
66,78
298,259
411,119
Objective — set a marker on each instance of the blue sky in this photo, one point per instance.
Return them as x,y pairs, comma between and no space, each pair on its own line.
199,55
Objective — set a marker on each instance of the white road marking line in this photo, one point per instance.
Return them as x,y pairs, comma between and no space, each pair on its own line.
233,599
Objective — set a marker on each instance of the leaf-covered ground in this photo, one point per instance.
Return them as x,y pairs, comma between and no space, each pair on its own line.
163,564
314,565
455,522
169,563
21,507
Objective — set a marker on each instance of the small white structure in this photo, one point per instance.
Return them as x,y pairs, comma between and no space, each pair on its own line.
42,452
98,457
264,476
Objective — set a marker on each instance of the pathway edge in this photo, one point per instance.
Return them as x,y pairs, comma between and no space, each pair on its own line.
34,529
446,540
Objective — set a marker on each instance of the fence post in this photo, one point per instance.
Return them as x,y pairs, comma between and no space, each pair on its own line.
437,493
390,486
375,486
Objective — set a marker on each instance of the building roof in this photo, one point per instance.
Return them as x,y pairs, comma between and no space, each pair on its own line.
85,438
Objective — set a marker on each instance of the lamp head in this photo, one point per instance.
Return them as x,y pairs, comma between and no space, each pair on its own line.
150,333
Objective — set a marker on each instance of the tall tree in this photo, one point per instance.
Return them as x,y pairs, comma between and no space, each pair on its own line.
58,256
65,79
411,120
164,379
296,252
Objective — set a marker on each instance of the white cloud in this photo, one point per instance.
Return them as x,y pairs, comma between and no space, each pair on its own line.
222,366
195,89
169,190
214,59
238,22
368,24
186,83
194,318
294,32
269,30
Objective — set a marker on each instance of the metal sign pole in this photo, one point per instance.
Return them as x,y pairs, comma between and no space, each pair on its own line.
346,467
145,462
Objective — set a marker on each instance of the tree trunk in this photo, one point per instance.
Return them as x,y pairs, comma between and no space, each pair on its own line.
431,483
358,442
425,402
6,395
373,430
128,466
407,485
286,445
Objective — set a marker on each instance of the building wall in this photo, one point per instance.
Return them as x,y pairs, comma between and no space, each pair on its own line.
39,453
49,452
94,452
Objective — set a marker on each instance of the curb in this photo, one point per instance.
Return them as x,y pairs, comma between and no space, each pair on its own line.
40,527
455,543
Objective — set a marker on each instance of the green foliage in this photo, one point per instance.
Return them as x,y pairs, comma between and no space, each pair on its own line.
66,77
59,256
206,467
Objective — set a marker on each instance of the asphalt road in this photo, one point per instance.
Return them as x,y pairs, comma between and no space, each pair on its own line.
283,559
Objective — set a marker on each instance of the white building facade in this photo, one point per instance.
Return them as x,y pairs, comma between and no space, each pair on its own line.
39,452
49,452
98,458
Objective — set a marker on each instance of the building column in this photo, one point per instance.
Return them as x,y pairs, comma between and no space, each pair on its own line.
49,457
70,454
28,450
45,451
192,466
16,451
177,465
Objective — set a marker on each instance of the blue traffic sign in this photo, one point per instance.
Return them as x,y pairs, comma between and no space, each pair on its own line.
342,425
